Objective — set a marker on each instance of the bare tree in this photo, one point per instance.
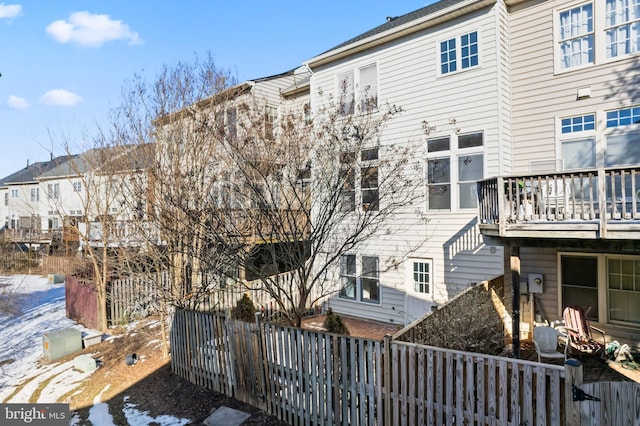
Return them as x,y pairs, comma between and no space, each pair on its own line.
270,201
310,191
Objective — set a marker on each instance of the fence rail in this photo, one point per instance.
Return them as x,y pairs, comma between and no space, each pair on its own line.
309,377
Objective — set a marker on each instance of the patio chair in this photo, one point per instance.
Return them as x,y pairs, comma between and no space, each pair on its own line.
545,339
579,331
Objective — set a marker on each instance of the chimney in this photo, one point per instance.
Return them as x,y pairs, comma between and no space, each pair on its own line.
27,163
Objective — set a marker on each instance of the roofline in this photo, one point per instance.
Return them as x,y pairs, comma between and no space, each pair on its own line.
424,22
230,93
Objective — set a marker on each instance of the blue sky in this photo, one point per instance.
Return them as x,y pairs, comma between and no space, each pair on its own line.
64,62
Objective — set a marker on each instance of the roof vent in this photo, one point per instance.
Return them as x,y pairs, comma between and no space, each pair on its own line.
391,18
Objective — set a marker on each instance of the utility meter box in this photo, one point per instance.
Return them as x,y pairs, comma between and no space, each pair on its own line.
535,282
57,344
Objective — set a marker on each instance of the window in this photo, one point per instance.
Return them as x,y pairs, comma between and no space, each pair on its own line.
611,297
622,135
53,190
369,179
578,124
459,156
370,282
622,27
576,36
6,198
594,32
363,83
347,181
366,286
459,53
345,93
362,172
624,290
348,276
14,193
422,276
469,50
368,88
580,283
35,195
77,186
231,129
270,117
577,141
439,183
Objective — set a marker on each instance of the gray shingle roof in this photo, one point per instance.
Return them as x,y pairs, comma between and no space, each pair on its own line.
397,21
33,171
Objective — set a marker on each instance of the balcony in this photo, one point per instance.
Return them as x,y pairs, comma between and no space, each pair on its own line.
600,204
265,225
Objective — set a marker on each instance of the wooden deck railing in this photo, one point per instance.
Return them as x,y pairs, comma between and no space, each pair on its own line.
598,196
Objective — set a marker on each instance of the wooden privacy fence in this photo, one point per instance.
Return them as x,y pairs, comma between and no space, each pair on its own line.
227,297
309,377
134,297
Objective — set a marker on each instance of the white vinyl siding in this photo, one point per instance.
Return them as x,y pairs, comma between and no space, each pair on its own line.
542,97
408,77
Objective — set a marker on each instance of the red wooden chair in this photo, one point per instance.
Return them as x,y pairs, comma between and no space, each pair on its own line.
579,332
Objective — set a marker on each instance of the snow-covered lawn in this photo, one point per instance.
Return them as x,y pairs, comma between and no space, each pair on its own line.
38,308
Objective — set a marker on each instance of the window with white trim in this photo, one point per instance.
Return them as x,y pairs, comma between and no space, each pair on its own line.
622,137
348,276
14,193
622,27
578,142
459,156
270,117
53,191
35,195
422,273
594,32
609,297
6,198
77,186
362,287
358,89
359,180
459,53
370,280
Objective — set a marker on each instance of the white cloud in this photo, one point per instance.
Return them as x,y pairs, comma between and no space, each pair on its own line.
60,97
15,102
91,30
9,10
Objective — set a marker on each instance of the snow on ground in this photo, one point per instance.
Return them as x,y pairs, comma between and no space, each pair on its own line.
39,308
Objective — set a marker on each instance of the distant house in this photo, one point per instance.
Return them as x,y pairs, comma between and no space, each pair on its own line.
24,205
447,66
208,196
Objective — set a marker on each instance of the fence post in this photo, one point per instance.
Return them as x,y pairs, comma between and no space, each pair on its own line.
387,380
572,377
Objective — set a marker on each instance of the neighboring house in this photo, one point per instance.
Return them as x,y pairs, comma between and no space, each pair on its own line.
446,65
204,178
23,207
48,203
576,158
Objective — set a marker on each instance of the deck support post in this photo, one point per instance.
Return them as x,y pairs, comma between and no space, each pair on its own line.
515,299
